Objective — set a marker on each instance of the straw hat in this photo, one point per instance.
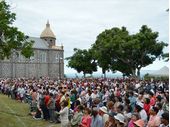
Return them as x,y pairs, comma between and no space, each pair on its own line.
103,109
120,118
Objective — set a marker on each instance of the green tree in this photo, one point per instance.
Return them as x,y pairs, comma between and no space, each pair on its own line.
82,61
108,49
102,57
149,47
11,39
128,53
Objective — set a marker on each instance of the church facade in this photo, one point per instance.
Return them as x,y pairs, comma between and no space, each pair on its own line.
48,59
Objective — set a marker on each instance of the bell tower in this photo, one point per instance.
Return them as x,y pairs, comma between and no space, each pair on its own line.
48,35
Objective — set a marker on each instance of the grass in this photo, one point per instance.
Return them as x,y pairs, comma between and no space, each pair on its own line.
15,114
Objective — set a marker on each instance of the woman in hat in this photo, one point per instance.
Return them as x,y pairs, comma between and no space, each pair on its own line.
142,113
120,120
103,113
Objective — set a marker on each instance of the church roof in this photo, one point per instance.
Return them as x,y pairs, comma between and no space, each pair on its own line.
47,32
39,43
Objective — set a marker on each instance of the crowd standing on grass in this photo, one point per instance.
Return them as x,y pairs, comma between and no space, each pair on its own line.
93,102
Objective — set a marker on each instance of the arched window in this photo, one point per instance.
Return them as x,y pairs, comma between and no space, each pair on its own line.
42,56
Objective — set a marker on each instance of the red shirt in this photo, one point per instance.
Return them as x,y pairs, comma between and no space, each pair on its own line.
46,99
86,121
152,101
147,108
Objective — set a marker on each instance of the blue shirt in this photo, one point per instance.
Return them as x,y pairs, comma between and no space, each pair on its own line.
97,121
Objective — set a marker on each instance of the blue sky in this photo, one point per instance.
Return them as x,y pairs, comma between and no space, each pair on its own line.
76,23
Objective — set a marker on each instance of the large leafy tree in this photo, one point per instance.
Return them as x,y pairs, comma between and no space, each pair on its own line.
11,39
109,51
102,57
128,53
82,61
148,49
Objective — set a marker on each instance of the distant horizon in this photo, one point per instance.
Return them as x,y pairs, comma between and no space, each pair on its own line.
109,74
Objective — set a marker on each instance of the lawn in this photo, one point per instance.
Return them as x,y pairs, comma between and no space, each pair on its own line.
15,114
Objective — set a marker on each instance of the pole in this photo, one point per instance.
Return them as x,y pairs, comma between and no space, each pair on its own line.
1,68
59,70
25,68
12,65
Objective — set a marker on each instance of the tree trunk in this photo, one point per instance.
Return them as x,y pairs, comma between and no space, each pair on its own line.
104,72
133,72
84,74
138,72
123,76
105,75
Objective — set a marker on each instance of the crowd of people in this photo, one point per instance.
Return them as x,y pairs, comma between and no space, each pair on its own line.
93,102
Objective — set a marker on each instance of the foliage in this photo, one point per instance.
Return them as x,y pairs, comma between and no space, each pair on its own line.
10,37
107,48
82,61
165,57
120,51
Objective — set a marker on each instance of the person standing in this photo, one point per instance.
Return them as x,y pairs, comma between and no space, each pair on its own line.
64,114
103,113
154,120
97,120
51,107
142,113
86,119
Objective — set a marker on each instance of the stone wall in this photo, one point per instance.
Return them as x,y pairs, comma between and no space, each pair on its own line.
5,69
52,67
29,70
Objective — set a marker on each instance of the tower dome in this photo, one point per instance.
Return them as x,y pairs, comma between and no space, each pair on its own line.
47,32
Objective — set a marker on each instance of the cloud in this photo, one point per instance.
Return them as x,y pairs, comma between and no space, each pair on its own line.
76,23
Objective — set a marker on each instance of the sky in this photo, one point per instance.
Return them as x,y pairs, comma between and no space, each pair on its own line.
76,23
